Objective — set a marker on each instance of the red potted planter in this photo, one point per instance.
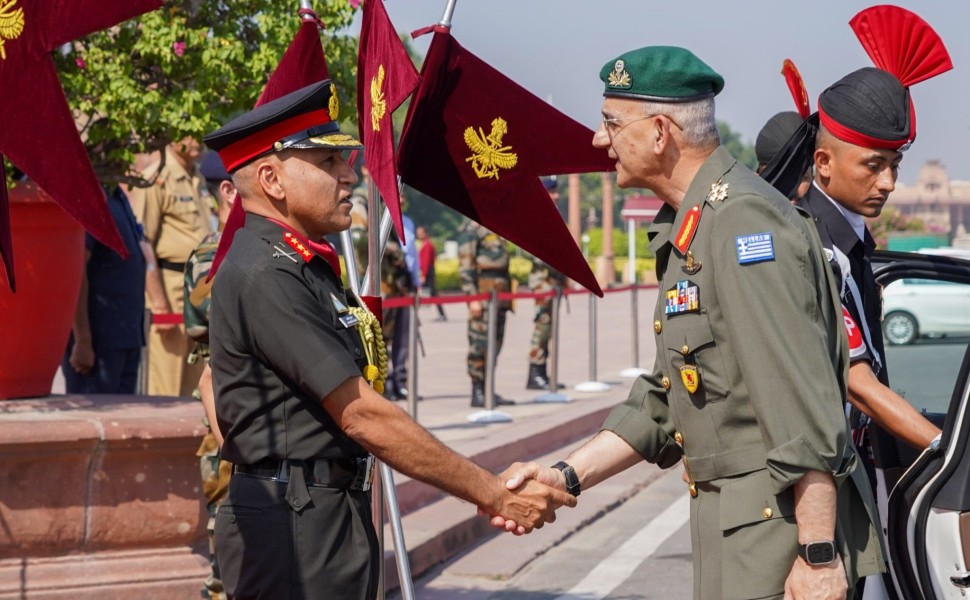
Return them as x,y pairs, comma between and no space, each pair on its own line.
35,322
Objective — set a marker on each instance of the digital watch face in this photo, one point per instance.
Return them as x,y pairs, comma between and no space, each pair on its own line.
820,553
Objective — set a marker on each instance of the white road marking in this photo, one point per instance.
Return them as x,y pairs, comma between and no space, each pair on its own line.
610,573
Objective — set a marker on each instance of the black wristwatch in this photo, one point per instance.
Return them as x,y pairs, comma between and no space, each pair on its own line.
817,553
572,481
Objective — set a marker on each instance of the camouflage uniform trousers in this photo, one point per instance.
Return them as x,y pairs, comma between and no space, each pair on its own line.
478,341
215,483
539,349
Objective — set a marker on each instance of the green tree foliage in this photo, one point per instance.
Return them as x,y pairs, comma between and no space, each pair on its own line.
186,68
891,220
731,140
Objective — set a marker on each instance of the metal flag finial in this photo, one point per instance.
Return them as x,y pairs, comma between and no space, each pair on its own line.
449,12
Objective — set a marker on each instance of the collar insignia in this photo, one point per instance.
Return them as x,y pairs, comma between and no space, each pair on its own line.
687,229
295,243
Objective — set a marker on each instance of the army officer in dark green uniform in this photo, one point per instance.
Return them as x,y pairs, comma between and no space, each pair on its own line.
287,352
748,387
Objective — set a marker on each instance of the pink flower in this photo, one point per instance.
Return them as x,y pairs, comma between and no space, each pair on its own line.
355,3
79,62
178,48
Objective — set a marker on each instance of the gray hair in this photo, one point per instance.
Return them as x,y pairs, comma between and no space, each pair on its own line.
696,119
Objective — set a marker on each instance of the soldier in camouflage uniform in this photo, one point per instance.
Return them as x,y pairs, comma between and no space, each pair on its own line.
483,267
215,471
395,282
542,278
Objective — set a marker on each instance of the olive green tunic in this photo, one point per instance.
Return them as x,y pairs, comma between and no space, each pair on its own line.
754,327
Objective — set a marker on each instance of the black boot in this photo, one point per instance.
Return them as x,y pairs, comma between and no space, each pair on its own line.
539,379
478,396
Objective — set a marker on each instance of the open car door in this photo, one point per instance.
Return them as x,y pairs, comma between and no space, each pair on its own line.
927,513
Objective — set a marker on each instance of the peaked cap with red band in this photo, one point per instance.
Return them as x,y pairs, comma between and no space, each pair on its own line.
302,119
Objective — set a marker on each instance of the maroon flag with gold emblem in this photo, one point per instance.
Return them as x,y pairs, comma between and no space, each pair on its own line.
38,133
478,142
302,64
385,78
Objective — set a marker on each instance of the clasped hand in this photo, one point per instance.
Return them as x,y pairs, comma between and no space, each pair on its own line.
536,493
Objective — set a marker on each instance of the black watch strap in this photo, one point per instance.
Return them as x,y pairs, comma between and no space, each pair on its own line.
817,553
572,481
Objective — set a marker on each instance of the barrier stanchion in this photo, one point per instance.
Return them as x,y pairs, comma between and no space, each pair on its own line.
552,361
634,371
413,357
490,415
592,385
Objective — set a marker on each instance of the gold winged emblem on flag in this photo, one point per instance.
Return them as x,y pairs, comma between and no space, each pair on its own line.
11,23
333,107
378,105
489,155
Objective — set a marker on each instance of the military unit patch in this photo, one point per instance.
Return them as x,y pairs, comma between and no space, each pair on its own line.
683,298
755,248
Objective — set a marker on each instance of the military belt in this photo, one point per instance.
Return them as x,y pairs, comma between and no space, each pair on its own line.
727,464
342,473
171,266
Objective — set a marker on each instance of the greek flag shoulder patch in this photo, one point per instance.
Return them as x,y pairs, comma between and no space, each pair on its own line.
755,248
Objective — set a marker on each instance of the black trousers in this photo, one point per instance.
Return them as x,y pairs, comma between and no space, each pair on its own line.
293,541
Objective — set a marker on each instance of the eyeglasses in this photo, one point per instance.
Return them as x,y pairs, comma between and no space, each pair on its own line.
613,127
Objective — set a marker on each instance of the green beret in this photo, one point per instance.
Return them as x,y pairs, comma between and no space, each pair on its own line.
660,74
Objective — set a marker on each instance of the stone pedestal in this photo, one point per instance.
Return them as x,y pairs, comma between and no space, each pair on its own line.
100,497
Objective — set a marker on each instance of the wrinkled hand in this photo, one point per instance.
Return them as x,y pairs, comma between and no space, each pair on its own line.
515,477
82,357
806,582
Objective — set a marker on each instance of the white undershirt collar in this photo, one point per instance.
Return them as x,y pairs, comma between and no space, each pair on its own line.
855,220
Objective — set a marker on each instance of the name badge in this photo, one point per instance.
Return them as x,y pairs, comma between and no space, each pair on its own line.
685,297
348,320
186,199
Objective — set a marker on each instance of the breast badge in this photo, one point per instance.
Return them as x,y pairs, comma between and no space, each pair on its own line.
682,298
692,265
691,377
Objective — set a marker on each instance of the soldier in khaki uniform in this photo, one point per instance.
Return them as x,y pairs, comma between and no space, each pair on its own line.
483,266
749,383
175,220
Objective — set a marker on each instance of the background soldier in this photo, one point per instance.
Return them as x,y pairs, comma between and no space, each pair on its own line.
215,471
175,220
483,266
542,278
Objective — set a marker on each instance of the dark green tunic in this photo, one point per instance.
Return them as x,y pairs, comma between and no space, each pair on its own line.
754,323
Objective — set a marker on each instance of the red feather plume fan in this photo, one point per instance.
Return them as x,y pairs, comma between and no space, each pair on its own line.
796,85
902,43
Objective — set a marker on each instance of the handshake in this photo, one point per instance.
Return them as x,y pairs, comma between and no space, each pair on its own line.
531,495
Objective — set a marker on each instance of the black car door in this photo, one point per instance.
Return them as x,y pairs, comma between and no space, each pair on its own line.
927,513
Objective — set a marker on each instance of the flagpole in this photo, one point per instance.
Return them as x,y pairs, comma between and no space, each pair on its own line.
449,13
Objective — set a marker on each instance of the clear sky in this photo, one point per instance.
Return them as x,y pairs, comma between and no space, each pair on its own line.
555,48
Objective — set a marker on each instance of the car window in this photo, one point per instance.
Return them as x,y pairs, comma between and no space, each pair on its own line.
926,326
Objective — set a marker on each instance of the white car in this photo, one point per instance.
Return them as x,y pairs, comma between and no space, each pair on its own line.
916,307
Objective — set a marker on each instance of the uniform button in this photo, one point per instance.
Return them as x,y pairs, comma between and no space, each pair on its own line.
658,326
684,349
665,381
356,351
678,438
297,502
767,512
232,518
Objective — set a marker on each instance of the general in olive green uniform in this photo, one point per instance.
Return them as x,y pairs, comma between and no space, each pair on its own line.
483,266
749,382
175,220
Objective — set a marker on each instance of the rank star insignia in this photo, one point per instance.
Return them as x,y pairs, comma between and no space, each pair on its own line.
297,245
488,153
11,23
692,266
690,377
718,192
